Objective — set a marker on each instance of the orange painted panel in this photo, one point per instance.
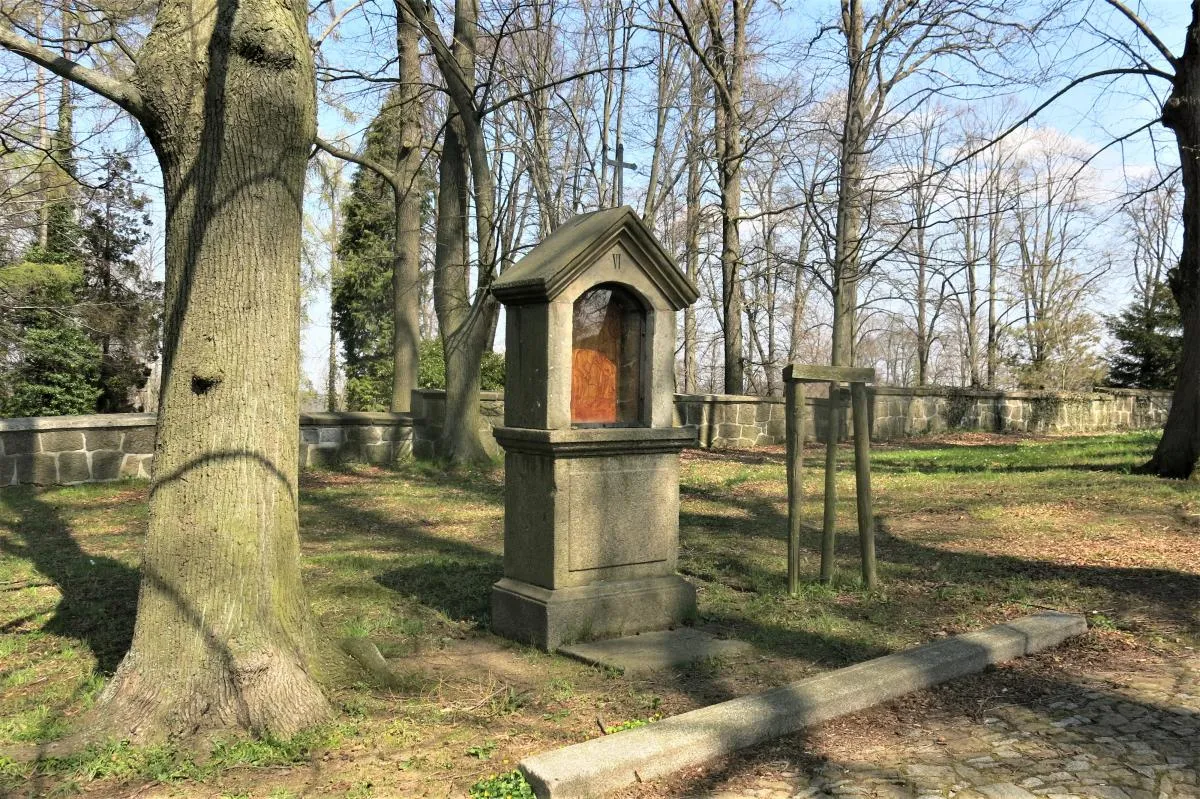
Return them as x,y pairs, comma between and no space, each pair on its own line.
606,357
593,387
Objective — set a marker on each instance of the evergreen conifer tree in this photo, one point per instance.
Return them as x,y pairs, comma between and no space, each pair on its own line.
122,307
1149,343
362,291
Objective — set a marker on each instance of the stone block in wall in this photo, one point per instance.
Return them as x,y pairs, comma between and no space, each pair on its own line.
103,439
136,466
8,469
322,457
106,464
776,429
747,412
380,453
403,448
309,435
73,467
366,434
729,430
139,440
330,435
762,411
687,413
20,442
39,468
423,448
130,465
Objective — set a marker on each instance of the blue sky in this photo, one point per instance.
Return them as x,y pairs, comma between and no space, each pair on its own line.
1092,114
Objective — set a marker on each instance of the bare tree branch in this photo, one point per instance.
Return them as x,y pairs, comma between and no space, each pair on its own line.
121,92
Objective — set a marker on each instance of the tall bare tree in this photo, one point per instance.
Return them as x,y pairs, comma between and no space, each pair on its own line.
884,49
1051,224
722,53
466,318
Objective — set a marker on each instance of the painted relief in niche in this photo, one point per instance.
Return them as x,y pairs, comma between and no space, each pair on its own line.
606,363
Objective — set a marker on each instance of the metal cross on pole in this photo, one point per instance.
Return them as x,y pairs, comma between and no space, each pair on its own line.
619,166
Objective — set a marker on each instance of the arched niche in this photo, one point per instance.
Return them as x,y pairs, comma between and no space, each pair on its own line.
608,357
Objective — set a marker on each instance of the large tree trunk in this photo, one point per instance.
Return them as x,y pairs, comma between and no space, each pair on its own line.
406,261
692,200
223,638
1179,448
730,63
464,327
924,334
847,235
731,295
465,323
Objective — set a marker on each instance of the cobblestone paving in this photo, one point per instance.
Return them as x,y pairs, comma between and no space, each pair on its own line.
1130,734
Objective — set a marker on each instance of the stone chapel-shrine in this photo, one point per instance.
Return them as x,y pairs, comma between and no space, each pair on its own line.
591,510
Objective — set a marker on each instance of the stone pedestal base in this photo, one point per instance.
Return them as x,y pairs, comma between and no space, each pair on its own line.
549,618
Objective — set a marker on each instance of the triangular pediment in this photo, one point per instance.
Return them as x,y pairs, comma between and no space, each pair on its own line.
566,253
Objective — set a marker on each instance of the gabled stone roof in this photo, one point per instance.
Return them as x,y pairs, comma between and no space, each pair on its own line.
563,255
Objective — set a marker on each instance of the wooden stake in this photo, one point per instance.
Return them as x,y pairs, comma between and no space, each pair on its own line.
794,411
862,479
829,518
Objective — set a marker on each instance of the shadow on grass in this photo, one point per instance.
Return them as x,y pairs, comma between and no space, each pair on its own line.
460,589
450,576
455,578
1174,595
99,594
1165,595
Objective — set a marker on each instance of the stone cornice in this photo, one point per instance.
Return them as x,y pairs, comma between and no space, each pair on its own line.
595,441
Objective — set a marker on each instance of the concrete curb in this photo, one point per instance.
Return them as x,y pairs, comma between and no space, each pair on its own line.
596,767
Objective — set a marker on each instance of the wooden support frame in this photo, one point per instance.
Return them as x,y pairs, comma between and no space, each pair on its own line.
794,378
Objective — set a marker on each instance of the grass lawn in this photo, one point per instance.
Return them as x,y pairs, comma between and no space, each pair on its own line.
972,529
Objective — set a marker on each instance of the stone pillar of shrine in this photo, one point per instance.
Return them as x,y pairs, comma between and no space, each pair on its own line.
591,509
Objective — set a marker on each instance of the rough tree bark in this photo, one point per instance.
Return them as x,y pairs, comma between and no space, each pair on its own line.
1179,448
406,258
692,201
466,322
848,231
223,638
724,60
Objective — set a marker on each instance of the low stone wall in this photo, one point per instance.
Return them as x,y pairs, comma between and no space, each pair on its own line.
429,419
733,421
62,450
327,439
52,450
901,412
